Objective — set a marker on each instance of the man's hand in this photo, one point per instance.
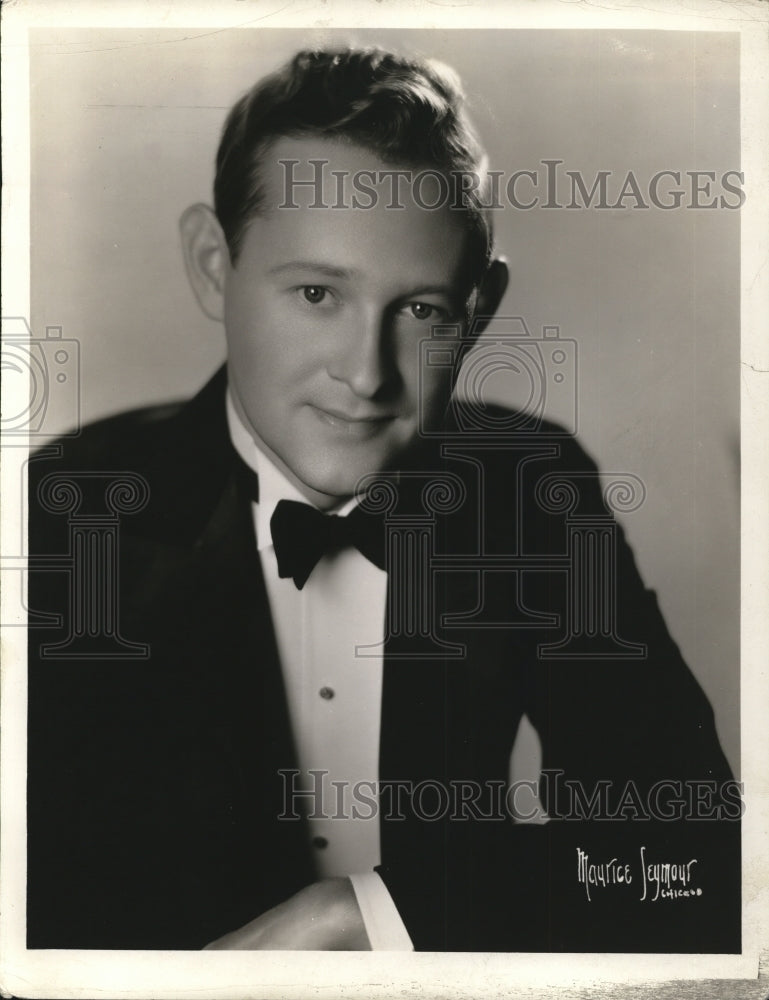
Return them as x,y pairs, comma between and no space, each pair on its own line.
322,917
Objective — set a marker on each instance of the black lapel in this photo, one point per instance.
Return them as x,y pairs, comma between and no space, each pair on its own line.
218,640
212,543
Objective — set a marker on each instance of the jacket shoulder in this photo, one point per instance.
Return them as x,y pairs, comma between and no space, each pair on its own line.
121,440
503,434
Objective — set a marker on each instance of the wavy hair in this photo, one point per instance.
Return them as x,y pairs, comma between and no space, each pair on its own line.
408,112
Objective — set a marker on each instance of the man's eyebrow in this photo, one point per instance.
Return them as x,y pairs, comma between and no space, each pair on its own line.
313,265
447,290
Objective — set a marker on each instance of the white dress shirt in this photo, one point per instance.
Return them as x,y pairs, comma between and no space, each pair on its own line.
334,697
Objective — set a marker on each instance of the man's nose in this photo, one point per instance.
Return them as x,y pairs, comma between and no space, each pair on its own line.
364,357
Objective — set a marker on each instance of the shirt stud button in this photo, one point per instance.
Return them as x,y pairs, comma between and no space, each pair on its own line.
327,693
319,842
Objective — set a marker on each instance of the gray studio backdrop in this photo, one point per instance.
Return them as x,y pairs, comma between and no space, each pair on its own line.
124,130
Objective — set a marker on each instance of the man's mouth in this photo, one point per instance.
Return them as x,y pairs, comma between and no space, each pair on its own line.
365,424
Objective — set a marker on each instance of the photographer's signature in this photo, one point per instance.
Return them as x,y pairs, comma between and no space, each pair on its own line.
658,879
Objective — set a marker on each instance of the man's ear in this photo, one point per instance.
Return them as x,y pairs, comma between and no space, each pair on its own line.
206,258
490,294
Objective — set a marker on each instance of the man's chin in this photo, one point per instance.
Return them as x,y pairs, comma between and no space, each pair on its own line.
327,491
329,487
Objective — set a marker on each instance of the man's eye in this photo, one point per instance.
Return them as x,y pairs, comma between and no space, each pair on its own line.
421,310
314,294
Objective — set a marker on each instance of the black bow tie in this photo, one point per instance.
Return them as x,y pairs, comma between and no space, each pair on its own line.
302,535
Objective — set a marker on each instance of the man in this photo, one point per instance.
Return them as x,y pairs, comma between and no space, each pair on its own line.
199,781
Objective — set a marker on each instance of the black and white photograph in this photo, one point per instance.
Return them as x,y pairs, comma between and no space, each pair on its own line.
384,577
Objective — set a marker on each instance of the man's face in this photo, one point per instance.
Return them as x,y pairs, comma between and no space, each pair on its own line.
324,313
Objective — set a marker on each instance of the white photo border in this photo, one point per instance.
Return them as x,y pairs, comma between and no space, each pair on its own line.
295,974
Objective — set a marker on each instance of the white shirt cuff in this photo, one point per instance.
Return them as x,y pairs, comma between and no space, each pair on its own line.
385,929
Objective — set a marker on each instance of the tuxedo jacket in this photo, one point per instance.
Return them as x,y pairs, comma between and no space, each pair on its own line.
156,815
